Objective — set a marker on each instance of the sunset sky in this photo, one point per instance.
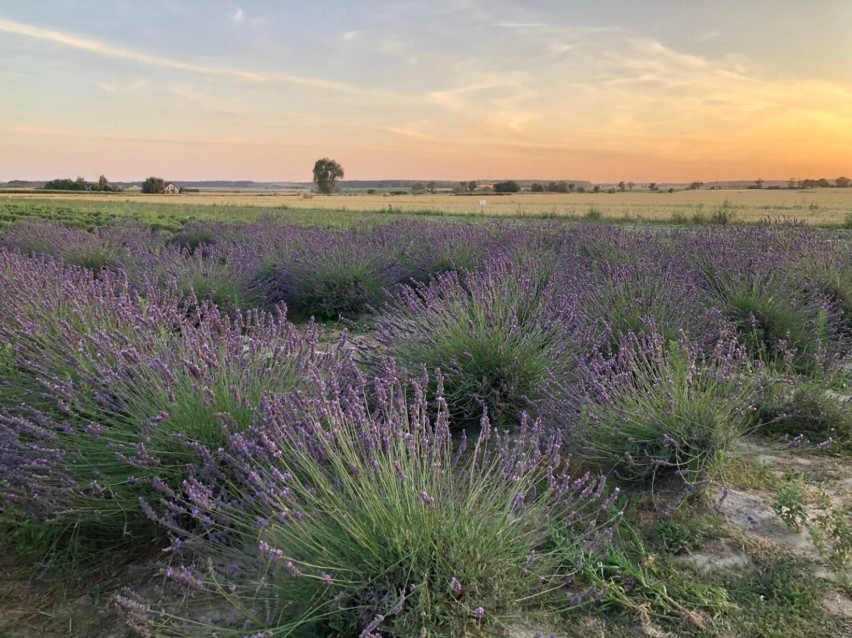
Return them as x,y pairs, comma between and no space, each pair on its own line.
600,90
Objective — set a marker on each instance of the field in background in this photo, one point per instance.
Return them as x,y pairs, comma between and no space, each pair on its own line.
824,207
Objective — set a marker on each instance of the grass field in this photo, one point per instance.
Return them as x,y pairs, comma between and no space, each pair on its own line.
822,207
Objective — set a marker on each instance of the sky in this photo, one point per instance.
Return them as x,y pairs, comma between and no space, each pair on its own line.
598,90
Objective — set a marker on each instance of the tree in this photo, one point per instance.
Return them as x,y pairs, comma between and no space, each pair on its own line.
418,188
154,185
536,188
472,185
562,187
572,187
630,185
652,186
326,174
66,184
621,185
432,187
758,183
695,186
823,183
791,183
596,189
506,187
842,182
552,187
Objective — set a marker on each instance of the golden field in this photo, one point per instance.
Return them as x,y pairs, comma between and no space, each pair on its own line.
828,206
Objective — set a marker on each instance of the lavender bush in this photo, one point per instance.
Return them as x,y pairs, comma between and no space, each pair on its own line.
499,336
426,249
659,408
649,294
330,275
224,275
354,516
747,274
105,388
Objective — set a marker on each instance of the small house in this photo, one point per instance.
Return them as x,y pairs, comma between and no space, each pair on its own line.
171,189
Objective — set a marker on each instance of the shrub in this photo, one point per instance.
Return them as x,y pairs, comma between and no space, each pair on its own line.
827,271
41,237
773,327
426,249
197,235
113,246
330,275
807,409
500,336
218,275
662,409
652,293
748,274
353,516
105,388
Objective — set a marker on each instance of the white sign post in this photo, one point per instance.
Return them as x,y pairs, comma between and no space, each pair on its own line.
482,206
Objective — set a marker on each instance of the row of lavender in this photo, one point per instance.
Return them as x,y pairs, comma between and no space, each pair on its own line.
332,486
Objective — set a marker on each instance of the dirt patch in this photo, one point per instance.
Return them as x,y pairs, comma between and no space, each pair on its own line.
752,513
717,555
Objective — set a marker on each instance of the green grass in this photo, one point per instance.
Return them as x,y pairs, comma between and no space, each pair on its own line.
779,598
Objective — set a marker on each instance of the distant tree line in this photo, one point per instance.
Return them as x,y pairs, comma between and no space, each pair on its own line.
840,182
553,187
80,184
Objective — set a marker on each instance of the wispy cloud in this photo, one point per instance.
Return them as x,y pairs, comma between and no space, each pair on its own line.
519,25
238,14
121,53
153,139
413,130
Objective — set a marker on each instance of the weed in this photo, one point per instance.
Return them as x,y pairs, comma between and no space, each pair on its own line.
724,214
679,536
790,503
699,219
594,213
679,219
640,583
831,532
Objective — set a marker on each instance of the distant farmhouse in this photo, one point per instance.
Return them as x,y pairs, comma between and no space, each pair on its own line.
171,189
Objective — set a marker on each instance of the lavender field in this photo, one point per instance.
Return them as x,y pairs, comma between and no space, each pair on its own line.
427,429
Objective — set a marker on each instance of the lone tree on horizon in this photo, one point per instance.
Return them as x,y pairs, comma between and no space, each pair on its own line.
154,185
326,174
